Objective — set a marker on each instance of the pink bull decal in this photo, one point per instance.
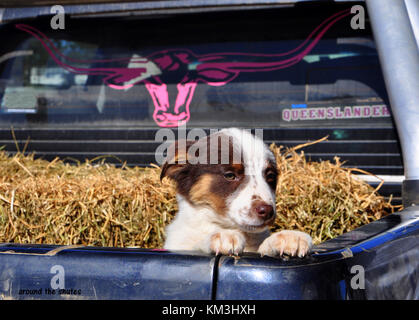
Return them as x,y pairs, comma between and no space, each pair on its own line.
180,113
215,69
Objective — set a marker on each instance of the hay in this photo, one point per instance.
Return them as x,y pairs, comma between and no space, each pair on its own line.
323,198
91,204
97,204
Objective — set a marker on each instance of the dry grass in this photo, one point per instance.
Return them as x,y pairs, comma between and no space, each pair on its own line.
94,203
323,198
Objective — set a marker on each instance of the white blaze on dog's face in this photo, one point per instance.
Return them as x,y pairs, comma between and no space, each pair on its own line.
239,189
252,206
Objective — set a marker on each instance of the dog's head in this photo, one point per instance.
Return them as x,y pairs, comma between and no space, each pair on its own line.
231,172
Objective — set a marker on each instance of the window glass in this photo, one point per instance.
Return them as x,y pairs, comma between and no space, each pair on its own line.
262,68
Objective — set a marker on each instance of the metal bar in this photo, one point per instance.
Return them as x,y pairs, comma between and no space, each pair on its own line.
399,58
413,10
13,10
139,7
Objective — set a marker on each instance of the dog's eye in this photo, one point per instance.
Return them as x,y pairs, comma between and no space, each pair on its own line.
230,176
270,176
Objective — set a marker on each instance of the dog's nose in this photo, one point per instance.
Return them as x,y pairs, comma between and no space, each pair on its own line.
264,211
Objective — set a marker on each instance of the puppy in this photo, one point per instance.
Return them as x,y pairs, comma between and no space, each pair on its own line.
226,196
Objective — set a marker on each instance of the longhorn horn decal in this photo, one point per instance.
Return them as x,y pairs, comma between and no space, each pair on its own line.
188,68
114,77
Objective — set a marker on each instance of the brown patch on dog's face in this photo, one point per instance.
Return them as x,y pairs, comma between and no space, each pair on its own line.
212,185
208,185
201,195
177,156
203,183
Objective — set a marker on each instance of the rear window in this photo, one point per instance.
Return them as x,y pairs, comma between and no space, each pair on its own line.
289,67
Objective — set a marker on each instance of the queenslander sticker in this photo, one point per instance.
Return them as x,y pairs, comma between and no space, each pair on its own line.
326,113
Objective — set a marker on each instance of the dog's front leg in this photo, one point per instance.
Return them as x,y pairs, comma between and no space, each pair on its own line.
293,243
227,242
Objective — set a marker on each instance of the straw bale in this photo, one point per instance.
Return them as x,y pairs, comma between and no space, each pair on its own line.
97,204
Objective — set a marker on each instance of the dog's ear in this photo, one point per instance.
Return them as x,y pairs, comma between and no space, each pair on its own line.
177,159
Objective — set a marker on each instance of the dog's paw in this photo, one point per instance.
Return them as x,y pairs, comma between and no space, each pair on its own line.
293,243
227,242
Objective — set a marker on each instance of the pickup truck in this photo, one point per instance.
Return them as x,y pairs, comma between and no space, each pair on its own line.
102,77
